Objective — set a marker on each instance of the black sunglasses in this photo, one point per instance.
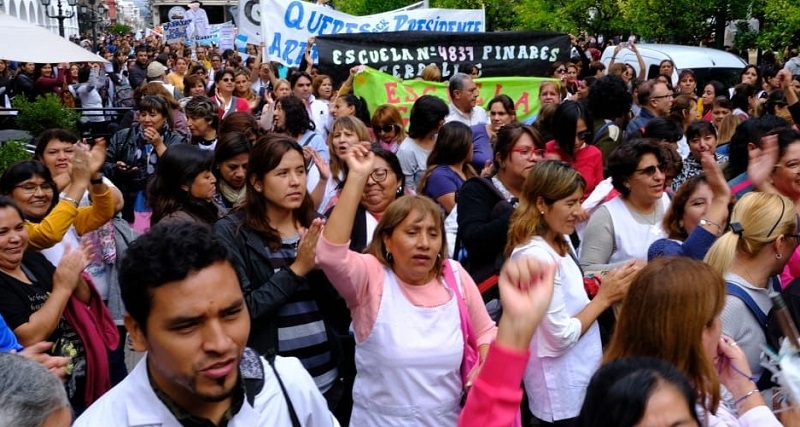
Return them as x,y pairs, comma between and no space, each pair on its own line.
388,128
584,136
651,170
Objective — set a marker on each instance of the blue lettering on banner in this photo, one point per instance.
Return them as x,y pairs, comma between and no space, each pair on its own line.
403,23
292,21
290,51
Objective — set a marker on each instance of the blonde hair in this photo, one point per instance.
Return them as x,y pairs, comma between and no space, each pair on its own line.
551,181
761,218
431,73
353,124
248,93
396,213
728,127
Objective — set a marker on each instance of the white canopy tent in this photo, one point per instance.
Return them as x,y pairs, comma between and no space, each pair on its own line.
26,42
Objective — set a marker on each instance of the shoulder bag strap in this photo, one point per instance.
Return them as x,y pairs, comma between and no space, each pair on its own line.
738,292
463,311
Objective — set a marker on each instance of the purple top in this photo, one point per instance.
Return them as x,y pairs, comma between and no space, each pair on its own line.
442,180
481,147
696,246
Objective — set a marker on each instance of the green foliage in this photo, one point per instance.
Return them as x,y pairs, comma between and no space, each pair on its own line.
781,24
12,151
120,29
745,37
44,113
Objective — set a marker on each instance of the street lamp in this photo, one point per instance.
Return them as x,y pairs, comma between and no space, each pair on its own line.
61,16
85,11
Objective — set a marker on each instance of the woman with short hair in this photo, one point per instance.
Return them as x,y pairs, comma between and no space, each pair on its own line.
501,112
427,117
387,126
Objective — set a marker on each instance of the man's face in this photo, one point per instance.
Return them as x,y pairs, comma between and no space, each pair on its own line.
201,53
216,62
302,88
661,99
467,98
141,57
195,335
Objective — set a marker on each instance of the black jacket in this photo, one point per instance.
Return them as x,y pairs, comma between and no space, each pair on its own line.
483,217
266,290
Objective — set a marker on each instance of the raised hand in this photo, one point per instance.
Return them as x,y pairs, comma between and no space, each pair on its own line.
322,166
714,177
360,159
68,272
762,162
81,169
307,248
526,287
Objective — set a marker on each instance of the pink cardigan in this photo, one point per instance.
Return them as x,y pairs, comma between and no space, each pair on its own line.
359,280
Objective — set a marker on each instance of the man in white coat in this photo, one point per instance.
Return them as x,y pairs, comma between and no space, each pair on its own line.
185,308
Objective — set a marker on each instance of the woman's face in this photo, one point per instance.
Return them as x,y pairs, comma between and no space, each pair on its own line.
718,114
562,215
522,157
381,188
152,119
30,67
786,175
696,207
3,66
57,157
549,95
199,89
666,69
700,144
47,70
279,118
204,186
414,245
499,116
13,238
647,181
34,196
712,333
180,66
388,132
572,74
242,83
282,90
225,86
342,139
687,84
73,71
666,407
796,86
234,170
627,75
285,186
325,89
341,109
198,126
691,115
580,134
750,76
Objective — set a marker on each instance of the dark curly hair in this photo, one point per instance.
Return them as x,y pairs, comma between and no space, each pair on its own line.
609,98
168,253
624,160
297,120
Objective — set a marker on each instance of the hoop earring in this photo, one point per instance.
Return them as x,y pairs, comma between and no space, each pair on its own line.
778,256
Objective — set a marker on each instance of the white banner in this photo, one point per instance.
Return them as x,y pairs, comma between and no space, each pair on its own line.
287,24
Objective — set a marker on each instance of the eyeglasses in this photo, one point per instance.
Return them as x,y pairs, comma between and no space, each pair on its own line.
529,152
584,136
651,170
30,188
669,95
387,128
561,70
380,174
227,80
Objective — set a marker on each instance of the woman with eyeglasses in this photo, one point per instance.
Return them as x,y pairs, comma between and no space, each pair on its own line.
222,94
133,154
702,137
387,126
448,165
566,349
485,206
573,135
501,112
761,239
623,228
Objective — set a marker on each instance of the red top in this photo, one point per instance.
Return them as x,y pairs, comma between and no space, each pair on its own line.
240,104
588,162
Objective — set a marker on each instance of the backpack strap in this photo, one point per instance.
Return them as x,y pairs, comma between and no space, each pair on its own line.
292,413
755,310
600,131
307,138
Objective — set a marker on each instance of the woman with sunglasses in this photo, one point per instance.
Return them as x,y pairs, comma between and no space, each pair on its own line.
623,228
222,94
387,125
571,126
501,112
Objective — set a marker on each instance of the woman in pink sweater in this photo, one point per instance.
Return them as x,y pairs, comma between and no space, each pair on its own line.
409,343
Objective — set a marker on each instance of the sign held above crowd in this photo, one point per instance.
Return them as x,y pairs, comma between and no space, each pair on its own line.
404,54
286,25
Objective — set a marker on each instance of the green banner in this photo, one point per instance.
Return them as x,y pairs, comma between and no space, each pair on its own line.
378,88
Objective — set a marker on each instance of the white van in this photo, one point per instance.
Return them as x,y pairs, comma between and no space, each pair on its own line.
707,64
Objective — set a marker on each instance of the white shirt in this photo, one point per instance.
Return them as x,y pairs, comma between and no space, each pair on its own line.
562,361
476,117
134,403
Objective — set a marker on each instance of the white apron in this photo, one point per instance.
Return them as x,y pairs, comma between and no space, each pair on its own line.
409,367
632,239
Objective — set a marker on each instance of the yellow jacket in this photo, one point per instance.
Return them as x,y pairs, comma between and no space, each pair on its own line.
54,226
